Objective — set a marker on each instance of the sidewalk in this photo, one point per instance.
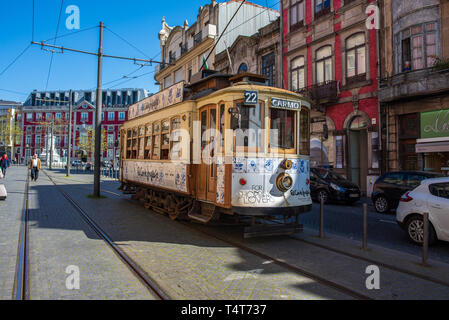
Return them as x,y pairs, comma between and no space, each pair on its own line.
10,222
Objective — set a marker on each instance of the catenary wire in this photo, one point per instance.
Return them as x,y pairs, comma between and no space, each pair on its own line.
54,42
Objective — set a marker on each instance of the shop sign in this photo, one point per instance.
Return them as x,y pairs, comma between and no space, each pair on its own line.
435,124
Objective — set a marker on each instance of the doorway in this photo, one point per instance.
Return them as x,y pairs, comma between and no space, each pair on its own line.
358,152
207,172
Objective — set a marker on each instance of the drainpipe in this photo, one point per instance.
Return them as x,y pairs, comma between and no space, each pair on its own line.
379,75
282,43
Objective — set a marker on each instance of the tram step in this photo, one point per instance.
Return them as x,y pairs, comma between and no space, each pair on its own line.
3,193
202,212
264,230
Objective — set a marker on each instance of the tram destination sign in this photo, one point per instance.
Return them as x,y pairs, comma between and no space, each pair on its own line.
158,101
285,104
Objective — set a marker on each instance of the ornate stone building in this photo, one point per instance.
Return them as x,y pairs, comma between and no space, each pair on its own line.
414,91
259,54
184,49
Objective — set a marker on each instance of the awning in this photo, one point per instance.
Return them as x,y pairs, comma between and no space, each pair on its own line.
432,147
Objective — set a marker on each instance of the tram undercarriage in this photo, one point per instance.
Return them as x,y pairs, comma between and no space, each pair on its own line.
184,208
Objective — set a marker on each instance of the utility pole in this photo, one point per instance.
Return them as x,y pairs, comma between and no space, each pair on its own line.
51,144
99,104
98,117
69,147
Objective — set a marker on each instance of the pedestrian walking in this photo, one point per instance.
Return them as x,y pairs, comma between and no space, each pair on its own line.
35,167
4,164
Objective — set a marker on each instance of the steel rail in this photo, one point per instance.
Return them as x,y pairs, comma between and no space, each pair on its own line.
285,265
145,279
21,280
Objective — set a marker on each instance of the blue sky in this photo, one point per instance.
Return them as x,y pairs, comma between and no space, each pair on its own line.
138,21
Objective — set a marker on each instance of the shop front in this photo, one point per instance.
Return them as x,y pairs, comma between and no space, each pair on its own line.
434,140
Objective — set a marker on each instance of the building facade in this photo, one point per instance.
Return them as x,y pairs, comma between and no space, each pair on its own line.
44,120
186,49
330,55
414,91
258,54
10,133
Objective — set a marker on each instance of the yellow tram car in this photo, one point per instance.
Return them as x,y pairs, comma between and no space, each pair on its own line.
222,145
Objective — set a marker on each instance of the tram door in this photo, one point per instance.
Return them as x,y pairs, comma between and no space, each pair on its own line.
207,173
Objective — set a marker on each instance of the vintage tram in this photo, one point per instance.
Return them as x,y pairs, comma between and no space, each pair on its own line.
222,145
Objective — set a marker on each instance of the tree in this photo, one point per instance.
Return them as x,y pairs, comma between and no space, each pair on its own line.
86,143
10,133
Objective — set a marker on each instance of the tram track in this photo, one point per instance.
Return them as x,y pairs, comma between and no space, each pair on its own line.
21,277
141,275
301,271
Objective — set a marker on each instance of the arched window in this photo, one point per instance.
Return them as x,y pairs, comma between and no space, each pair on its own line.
324,65
243,68
297,74
355,56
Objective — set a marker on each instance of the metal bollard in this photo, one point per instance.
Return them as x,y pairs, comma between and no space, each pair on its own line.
365,226
321,218
425,246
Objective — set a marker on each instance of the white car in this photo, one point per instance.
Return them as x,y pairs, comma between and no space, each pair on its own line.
431,196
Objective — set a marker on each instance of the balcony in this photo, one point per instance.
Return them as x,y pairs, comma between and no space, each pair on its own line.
321,94
413,84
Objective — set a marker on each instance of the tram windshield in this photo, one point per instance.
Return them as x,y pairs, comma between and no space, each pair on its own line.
283,129
247,123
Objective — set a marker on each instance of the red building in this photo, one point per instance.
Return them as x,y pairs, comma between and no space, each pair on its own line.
330,54
45,120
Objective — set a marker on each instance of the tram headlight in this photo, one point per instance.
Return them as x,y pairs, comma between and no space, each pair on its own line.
286,164
284,182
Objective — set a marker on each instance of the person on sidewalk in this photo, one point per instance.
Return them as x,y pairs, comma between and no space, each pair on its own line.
35,167
4,164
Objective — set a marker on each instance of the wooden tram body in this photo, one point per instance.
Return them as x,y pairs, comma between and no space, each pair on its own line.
210,153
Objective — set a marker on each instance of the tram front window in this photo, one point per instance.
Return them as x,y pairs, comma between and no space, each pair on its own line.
247,123
282,127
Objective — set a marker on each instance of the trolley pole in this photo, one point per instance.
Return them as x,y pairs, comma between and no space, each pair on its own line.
98,117
69,147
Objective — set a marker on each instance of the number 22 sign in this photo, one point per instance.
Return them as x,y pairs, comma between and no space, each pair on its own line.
251,97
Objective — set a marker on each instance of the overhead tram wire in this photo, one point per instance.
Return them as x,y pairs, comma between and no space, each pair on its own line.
17,58
71,33
127,42
131,79
54,42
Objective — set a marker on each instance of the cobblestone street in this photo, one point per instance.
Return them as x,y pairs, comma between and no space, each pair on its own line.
187,261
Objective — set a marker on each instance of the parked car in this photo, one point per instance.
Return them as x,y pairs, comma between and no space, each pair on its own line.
431,196
330,186
77,163
389,188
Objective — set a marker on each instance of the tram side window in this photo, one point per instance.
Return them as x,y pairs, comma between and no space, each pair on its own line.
247,123
128,144
141,147
304,131
283,129
176,125
148,141
165,148
156,140
134,144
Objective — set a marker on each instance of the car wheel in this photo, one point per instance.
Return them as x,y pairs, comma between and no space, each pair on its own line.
381,204
323,194
415,230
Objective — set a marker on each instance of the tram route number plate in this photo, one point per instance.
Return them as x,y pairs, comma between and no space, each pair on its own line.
251,98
